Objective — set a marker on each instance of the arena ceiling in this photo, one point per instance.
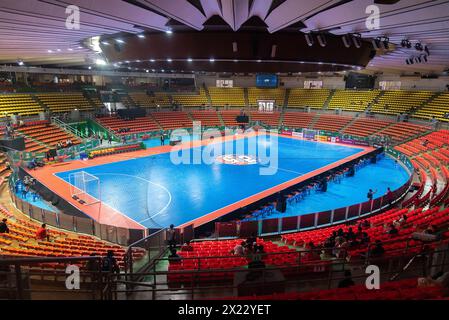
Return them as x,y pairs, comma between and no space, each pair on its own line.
35,31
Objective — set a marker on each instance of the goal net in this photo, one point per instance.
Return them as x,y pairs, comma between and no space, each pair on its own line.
309,133
85,187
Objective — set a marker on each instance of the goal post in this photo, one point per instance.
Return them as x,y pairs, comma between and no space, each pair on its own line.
309,133
85,187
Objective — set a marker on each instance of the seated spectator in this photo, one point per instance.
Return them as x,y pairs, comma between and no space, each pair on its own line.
347,281
326,255
432,229
439,280
366,224
186,246
340,249
378,249
42,233
250,242
256,257
340,233
365,238
173,256
239,249
109,263
4,226
350,235
393,231
32,164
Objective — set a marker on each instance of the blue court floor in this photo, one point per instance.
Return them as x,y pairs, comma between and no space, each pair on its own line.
386,173
156,192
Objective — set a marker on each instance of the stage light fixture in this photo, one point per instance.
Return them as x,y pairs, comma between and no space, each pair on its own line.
356,39
321,40
309,39
346,42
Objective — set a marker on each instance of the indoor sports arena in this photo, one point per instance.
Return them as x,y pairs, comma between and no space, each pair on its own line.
250,150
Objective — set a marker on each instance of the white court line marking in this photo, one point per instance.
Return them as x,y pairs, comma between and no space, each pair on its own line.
281,169
153,183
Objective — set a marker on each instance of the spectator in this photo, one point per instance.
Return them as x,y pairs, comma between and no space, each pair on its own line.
326,255
340,233
109,263
173,256
93,267
251,241
239,249
365,238
162,140
378,249
431,230
439,280
389,196
186,246
4,226
370,194
341,246
256,257
366,224
393,231
350,235
42,233
171,236
347,281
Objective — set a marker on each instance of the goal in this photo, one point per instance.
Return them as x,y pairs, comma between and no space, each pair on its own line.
85,187
309,133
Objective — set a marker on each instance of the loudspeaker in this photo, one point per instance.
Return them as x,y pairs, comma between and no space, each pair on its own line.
281,205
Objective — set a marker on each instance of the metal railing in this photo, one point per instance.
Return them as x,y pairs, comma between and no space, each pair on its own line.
66,127
20,277
213,282
77,224
155,245
275,226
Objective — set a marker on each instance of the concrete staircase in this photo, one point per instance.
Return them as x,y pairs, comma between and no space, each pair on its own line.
38,101
348,124
314,121
127,100
329,97
221,119
375,100
281,119
157,122
245,96
287,96
434,96
206,90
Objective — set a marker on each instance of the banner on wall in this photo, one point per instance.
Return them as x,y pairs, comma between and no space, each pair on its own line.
287,133
354,142
297,134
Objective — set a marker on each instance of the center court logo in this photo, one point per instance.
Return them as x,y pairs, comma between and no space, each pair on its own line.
236,159
234,147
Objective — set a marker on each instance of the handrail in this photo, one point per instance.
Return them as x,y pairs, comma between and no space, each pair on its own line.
144,242
66,127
